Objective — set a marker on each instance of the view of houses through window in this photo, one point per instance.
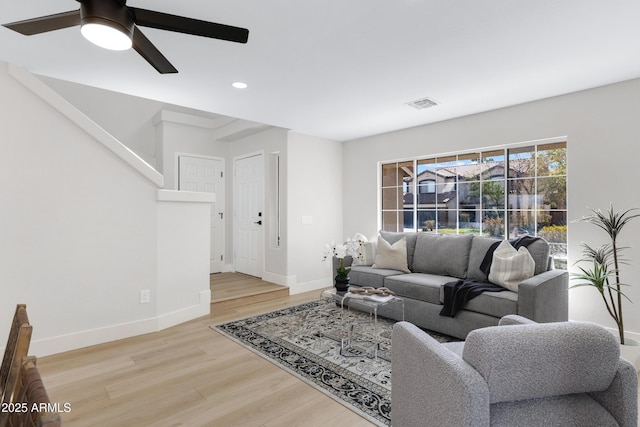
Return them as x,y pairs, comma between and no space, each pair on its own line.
503,193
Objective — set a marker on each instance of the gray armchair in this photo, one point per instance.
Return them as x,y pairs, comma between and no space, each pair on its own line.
519,373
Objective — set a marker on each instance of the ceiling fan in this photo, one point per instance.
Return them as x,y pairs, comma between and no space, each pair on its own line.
114,25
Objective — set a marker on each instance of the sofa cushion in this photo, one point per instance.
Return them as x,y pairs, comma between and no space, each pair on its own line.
392,237
442,254
420,286
539,251
568,410
362,275
479,247
496,304
510,266
392,256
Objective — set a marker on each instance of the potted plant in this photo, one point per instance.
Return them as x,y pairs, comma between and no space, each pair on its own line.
603,263
350,248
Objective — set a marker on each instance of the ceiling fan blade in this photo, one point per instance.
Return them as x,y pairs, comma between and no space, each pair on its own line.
148,51
196,27
43,24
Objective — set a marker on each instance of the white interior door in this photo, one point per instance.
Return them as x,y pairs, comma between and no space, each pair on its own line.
248,210
206,174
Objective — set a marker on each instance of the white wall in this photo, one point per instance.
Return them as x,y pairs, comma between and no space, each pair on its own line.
182,255
157,131
79,233
315,192
178,133
128,118
602,127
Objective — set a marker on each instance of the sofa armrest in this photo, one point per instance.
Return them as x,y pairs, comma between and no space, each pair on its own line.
545,297
620,399
432,385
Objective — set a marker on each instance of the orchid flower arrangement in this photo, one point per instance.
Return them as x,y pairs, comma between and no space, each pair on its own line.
351,247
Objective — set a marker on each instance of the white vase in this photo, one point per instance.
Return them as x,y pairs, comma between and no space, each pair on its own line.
631,351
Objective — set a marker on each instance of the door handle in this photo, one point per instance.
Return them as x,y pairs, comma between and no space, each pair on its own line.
258,222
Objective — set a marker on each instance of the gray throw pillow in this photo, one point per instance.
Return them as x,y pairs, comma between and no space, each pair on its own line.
442,254
479,247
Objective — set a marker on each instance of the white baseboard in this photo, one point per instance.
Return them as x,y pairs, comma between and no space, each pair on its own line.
292,283
87,338
184,315
62,343
314,285
627,334
279,279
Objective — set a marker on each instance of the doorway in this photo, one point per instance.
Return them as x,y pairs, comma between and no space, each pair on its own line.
206,174
249,217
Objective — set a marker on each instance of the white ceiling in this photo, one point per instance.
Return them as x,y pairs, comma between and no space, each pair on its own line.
345,69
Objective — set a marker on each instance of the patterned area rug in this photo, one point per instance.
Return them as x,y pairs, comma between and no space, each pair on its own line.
307,340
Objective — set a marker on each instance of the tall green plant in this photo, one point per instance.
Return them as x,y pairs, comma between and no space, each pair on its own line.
603,269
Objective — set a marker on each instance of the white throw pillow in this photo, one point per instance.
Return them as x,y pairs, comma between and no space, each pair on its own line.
393,257
509,266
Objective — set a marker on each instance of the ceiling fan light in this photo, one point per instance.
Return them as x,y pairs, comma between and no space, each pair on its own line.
106,36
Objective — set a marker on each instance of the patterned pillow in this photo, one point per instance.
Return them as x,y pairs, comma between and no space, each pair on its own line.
393,257
510,266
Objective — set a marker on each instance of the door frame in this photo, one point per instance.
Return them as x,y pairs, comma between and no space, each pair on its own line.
221,202
236,199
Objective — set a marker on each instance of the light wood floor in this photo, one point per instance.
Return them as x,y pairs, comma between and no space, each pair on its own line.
187,375
229,290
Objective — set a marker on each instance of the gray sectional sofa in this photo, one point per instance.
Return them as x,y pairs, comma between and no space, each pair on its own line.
436,259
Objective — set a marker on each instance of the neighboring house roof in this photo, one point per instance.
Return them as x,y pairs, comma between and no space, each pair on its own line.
517,167
463,173
430,198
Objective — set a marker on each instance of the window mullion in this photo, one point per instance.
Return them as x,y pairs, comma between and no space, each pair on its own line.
505,209
535,191
415,194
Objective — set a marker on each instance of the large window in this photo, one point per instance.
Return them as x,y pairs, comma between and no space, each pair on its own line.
502,193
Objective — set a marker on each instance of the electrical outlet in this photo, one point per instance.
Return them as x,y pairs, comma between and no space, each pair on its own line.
145,296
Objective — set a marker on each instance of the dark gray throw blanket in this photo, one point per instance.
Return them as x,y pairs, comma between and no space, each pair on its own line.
457,293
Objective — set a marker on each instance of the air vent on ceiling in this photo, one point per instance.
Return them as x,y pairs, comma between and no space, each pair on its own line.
421,104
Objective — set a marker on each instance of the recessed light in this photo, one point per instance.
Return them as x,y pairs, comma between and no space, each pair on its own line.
239,85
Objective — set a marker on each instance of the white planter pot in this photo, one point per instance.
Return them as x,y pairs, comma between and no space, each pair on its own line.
631,351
